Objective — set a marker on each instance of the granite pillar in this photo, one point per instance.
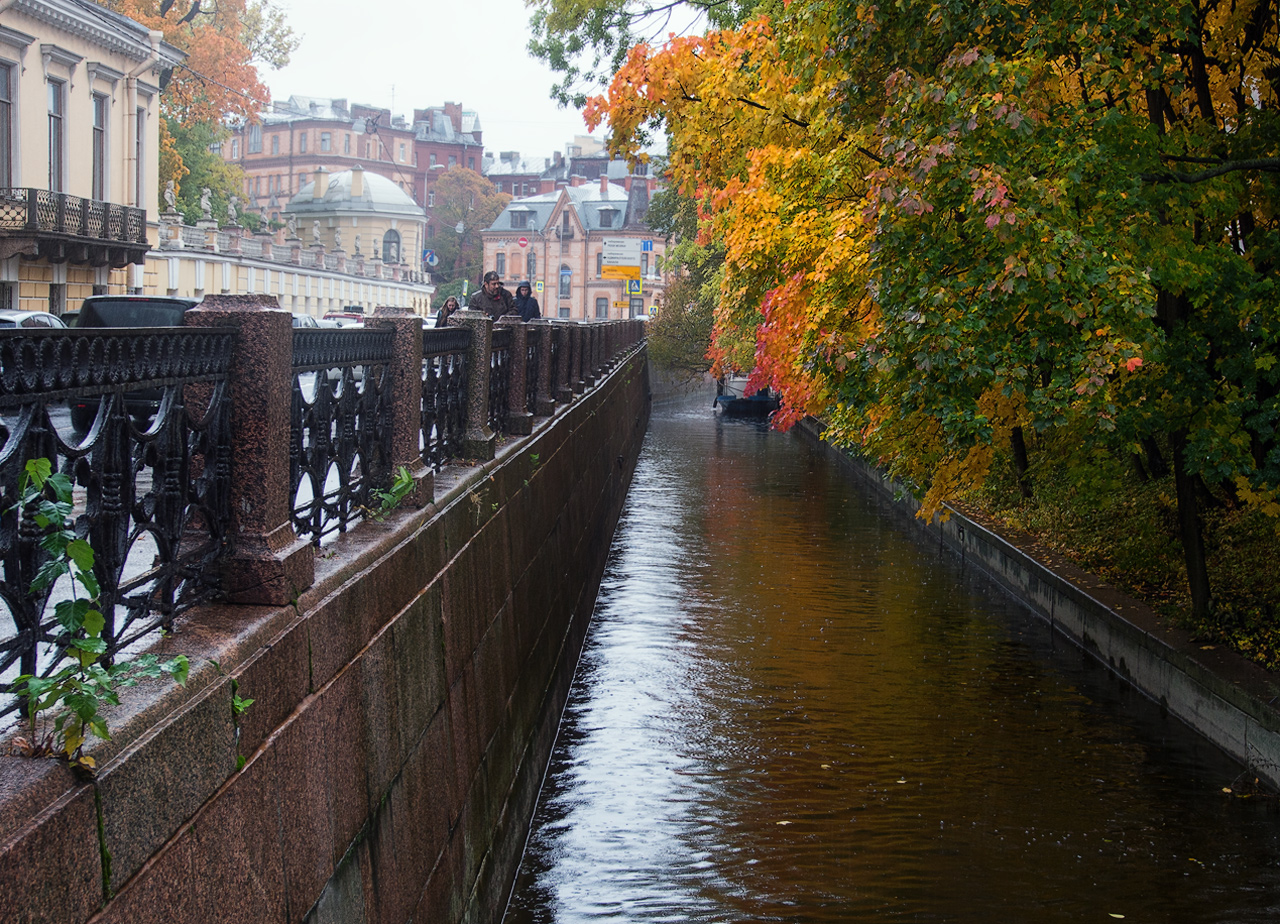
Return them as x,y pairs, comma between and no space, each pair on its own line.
545,401
406,399
267,563
563,384
479,441
576,343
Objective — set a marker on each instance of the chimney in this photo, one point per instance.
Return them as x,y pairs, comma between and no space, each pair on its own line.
357,182
454,112
322,183
576,180
604,185
626,184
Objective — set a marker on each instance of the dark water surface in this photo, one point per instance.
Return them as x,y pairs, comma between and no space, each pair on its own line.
792,709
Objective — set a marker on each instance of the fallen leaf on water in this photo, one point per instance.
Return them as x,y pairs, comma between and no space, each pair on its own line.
1227,790
903,780
826,766
1114,915
784,822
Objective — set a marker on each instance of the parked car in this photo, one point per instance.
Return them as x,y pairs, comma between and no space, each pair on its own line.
70,318
304,320
30,319
128,311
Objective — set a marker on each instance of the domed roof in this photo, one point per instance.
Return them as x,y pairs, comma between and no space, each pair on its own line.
378,196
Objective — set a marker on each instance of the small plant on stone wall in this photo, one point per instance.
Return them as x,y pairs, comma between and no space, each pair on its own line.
391,497
64,709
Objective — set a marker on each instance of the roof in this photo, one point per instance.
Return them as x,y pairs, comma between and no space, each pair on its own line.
381,196
438,127
587,203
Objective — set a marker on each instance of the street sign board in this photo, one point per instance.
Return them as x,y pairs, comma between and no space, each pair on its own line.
537,287
523,242
633,286
626,304
619,272
646,246
429,257
621,251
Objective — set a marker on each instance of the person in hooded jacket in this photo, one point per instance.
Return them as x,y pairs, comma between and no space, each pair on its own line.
526,304
449,307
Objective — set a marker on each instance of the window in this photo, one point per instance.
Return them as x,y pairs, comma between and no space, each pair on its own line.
235,148
302,181
57,110
431,200
346,143
566,230
644,264
498,186
453,160
599,264
275,144
6,130
433,160
532,265
566,278
402,152
519,219
255,139
501,265
471,163
637,306
602,307
563,312
99,153
431,231
302,143
391,247
606,218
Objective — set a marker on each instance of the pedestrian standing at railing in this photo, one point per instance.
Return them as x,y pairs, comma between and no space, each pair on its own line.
449,307
526,304
492,299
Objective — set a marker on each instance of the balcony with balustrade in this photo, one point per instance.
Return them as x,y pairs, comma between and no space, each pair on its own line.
59,228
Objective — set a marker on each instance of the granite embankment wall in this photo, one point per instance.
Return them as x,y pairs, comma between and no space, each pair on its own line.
404,710
1224,697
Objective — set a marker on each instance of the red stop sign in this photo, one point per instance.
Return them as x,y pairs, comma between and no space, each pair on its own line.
523,242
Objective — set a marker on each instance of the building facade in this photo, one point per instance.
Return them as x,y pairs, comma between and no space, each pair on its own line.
79,151
557,240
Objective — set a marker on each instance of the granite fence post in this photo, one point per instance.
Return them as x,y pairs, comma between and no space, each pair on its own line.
267,563
564,364
576,342
479,441
589,336
545,399
406,398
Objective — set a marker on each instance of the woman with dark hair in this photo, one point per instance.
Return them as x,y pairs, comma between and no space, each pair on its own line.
449,307
526,304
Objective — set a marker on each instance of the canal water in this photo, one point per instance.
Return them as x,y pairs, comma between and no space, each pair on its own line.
792,708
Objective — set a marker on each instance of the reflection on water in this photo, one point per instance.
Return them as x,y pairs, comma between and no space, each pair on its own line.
791,709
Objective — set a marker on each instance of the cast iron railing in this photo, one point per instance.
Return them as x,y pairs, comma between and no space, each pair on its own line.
339,449
499,379
151,477
443,413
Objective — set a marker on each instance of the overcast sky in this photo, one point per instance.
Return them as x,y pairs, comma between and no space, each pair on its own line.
467,51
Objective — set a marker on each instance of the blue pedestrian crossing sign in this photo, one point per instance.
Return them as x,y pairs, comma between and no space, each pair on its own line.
633,286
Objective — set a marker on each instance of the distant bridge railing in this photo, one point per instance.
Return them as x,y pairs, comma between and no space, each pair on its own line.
213,459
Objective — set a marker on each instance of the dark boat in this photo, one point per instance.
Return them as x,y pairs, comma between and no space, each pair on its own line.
731,400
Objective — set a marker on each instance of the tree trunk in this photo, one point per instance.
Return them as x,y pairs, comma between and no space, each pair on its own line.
1155,461
1019,446
1190,528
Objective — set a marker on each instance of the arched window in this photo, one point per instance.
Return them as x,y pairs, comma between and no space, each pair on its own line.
501,265
391,247
566,276
532,266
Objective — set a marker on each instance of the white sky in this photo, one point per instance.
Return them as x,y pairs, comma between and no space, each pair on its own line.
471,52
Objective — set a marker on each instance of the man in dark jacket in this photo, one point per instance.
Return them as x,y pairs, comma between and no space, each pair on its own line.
492,299
526,304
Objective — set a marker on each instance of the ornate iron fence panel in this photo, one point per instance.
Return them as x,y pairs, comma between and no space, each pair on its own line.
23,209
151,474
444,394
499,379
340,426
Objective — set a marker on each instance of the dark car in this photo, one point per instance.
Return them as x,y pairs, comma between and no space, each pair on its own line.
127,311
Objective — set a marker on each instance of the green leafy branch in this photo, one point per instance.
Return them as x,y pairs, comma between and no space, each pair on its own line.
65,709
390,498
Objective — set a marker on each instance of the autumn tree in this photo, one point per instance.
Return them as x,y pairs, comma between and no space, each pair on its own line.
950,225
226,42
467,201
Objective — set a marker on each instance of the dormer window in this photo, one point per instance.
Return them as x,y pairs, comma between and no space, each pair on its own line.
519,219
606,217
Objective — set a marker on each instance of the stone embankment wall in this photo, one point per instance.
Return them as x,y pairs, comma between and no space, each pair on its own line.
404,711
1224,697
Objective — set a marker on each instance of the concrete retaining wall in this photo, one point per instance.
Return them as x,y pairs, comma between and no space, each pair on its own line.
1224,697
404,711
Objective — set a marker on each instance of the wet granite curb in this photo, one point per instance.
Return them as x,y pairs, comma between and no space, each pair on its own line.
1223,696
